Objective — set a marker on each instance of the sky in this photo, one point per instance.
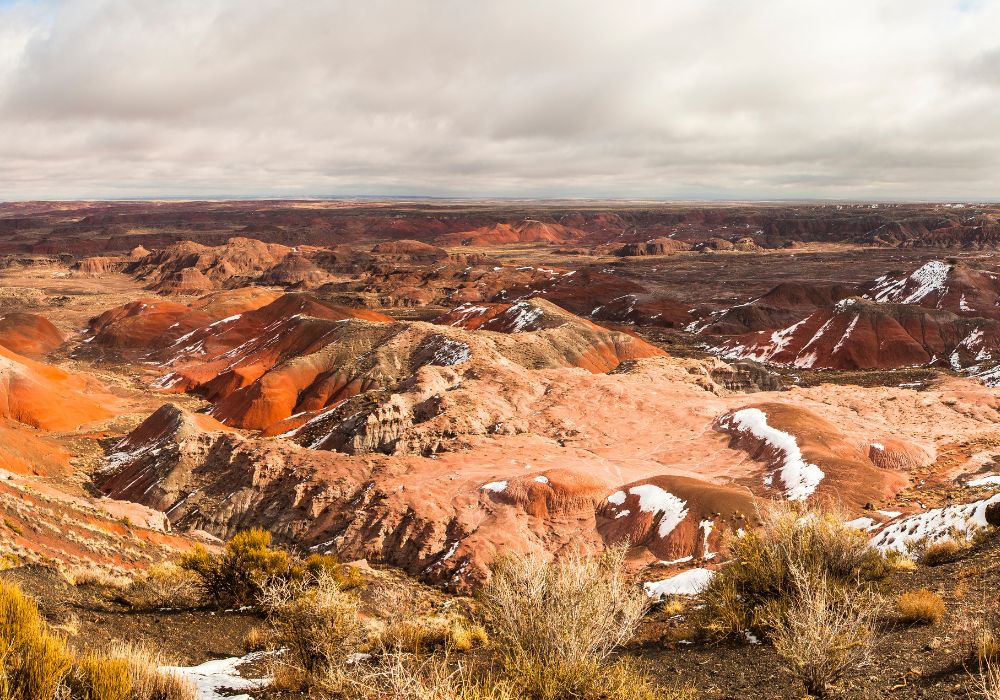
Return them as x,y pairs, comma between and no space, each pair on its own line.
658,99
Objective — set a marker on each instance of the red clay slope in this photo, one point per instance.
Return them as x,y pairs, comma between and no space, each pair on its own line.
858,334
43,396
28,334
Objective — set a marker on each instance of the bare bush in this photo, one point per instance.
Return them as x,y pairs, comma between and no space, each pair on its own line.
920,607
759,581
163,586
317,622
576,609
824,631
987,681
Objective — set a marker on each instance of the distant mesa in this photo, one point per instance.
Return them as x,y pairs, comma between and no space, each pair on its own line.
781,306
656,246
530,231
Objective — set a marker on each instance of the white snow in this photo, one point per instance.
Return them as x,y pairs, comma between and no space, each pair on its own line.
861,523
690,582
929,278
212,677
799,477
617,498
522,315
495,486
847,334
878,446
706,526
467,311
984,481
682,560
542,479
934,524
451,352
653,499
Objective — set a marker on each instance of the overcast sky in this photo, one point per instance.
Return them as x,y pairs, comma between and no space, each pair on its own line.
659,99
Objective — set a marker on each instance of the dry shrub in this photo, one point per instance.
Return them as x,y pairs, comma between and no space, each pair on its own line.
824,631
555,625
34,661
97,577
102,678
236,576
347,577
979,638
403,676
987,681
920,607
759,582
256,639
575,609
943,551
148,678
163,586
318,624
426,633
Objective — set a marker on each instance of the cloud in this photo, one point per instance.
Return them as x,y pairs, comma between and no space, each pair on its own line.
690,98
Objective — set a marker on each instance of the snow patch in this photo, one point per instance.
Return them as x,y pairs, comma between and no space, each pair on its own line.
212,678
799,477
653,499
690,582
934,524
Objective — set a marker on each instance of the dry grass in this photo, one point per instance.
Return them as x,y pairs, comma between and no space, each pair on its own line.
920,607
760,581
823,632
576,609
318,624
987,681
943,551
402,676
149,682
35,662
256,639
426,633
96,576
163,586
102,678
37,665
897,561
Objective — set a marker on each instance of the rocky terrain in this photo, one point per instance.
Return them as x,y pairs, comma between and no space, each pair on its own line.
427,385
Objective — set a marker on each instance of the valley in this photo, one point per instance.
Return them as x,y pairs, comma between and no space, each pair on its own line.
423,387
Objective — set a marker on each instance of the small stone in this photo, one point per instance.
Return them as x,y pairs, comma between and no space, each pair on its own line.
933,644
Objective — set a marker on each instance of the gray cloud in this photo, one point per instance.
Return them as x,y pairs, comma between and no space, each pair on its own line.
705,98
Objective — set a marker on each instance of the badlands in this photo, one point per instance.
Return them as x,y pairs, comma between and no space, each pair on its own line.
421,387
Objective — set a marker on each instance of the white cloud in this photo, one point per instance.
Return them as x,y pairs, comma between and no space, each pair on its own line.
771,98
